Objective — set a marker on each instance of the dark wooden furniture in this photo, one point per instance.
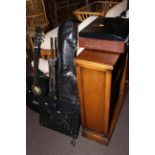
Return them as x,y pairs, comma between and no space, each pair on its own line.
102,87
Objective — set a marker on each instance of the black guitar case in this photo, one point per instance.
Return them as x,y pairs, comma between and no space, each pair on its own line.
67,82
66,118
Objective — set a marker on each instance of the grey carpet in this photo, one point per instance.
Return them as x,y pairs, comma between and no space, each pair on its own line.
44,141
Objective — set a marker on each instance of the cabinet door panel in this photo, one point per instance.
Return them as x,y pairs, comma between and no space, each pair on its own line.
93,86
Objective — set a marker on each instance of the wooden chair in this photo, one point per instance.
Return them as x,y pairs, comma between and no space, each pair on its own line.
35,16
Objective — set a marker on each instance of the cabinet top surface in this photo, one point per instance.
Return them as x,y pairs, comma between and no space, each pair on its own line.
98,57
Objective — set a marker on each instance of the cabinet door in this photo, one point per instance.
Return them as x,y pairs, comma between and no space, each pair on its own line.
94,87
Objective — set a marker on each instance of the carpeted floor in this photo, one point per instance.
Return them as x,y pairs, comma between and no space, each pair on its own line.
43,141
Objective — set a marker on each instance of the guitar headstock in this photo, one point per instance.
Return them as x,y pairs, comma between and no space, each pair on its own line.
39,36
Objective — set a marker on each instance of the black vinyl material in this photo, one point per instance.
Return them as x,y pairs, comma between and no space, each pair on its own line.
66,120
108,28
67,48
66,117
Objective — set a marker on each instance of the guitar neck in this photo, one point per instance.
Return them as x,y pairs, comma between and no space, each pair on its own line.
36,62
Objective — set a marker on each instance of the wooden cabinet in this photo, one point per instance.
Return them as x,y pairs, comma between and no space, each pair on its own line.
102,88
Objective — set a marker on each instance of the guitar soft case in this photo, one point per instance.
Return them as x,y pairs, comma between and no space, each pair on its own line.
66,118
67,48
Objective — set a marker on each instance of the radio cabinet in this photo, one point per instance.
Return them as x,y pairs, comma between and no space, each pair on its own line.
102,88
